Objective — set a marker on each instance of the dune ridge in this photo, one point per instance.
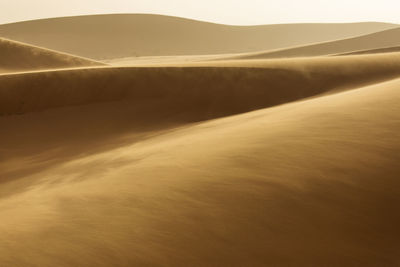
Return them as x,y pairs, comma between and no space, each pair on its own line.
16,56
373,41
392,49
219,88
129,35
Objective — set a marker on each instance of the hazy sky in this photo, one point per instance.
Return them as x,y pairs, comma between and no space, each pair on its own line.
242,12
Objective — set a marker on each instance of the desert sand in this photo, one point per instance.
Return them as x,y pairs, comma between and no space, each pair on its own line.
375,41
194,161
373,51
17,57
217,87
130,35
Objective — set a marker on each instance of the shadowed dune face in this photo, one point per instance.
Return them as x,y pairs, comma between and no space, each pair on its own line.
374,41
118,36
16,56
218,88
301,184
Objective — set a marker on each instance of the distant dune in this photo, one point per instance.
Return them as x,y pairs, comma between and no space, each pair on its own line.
119,36
373,51
303,184
16,56
374,42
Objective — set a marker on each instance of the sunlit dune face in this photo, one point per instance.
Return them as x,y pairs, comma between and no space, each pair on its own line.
277,180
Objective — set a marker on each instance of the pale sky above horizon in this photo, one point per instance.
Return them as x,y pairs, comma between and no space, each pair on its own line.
236,12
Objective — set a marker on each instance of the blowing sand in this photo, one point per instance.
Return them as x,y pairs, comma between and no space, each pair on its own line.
286,162
301,184
219,88
17,57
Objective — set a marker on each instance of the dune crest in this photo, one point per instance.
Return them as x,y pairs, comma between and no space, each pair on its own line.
392,49
17,57
373,41
218,88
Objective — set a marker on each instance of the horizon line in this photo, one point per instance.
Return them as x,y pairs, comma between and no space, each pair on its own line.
194,19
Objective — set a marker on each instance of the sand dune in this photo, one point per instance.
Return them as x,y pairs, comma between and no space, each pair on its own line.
115,101
219,88
303,184
16,56
373,51
118,36
374,41
165,161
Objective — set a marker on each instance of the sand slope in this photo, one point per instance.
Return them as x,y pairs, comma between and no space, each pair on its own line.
379,40
373,51
118,36
16,56
218,88
303,184
290,162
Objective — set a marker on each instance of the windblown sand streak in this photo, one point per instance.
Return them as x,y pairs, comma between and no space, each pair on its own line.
220,88
16,56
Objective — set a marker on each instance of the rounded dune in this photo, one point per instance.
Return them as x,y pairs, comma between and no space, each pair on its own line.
373,41
129,35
